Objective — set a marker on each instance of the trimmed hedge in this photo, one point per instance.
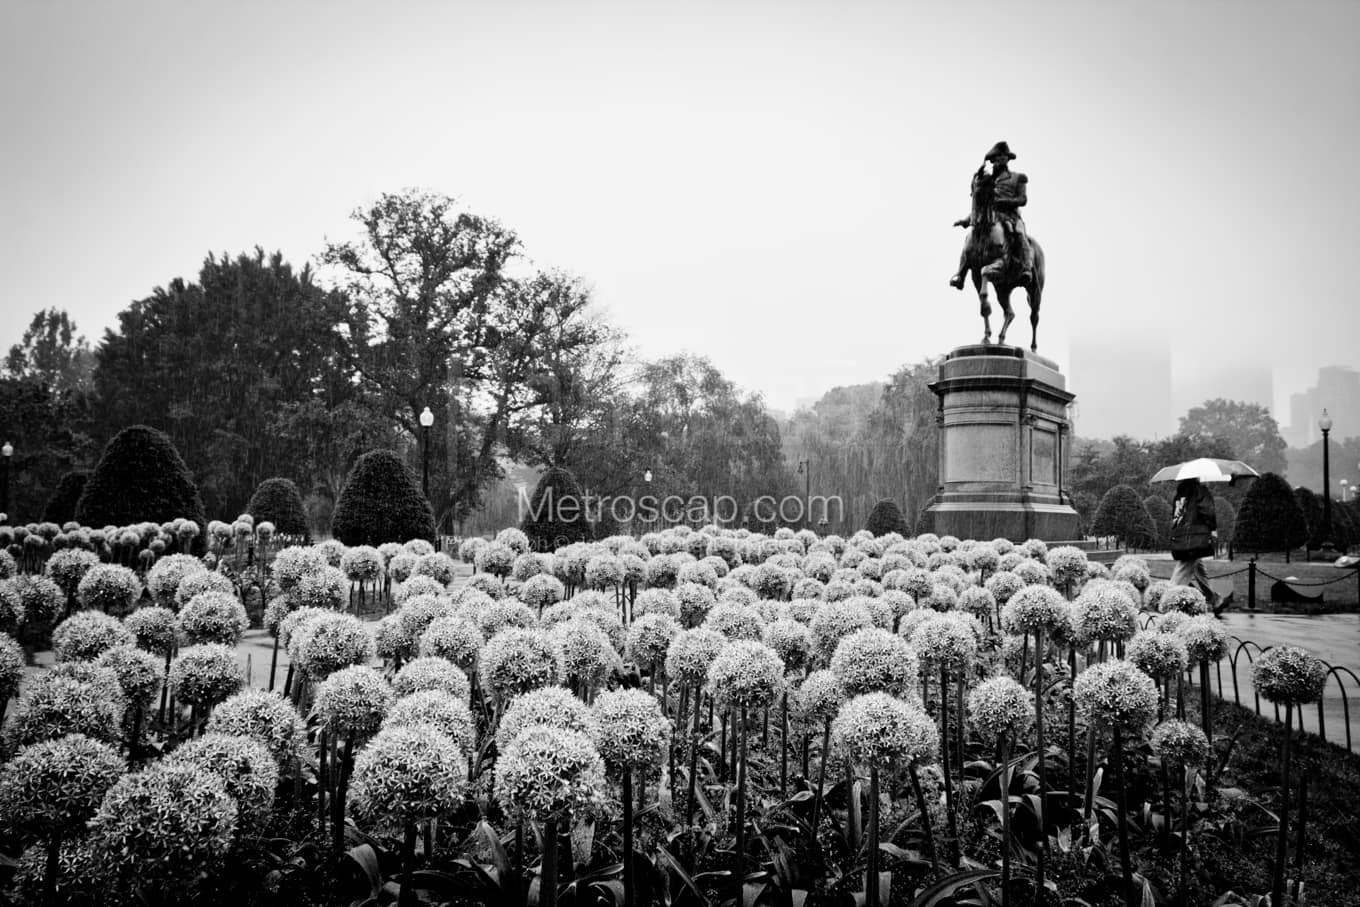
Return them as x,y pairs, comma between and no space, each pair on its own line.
140,478
1123,515
381,502
1270,518
279,501
557,514
887,517
61,506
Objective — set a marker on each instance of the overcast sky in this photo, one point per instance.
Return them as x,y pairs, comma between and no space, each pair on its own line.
768,184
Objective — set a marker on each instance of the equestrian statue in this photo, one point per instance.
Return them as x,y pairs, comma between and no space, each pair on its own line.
998,250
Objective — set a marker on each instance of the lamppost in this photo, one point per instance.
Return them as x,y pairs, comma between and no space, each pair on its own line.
647,477
5,453
1345,490
426,420
1325,423
805,470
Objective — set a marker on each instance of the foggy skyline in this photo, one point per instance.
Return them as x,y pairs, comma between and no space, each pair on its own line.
769,185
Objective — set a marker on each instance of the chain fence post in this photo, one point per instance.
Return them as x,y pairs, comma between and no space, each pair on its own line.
1251,584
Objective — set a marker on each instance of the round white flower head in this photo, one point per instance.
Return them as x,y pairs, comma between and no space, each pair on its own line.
734,621
291,564
245,767
875,660
205,674
633,731
265,716
514,539
11,666
695,601
1180,743
1289,675
55,786
649,638
790,639
163,826
419,611
400,566
531,564
86,635
53,706
432,673
68,567
196,582
1161,656
875,728
442,569
944,642
293,628
1010,561
952,576
735,593
547,772
353,702
587,654
1003,584
1034,573
871,568
361,564
333,642
554,707
832,622
983,558
1067,564
418,547
326,588
816,700
139,672
1205,637
494,559
1152,595
942,598
657,601
213,617
109,587
746,674
978,602
1116,694
603,571
407,775
541,590
774,581
456,638
1002,706
1186,599
1170,622
444,712
163,579
691,653
1133,571
517,660
808,587
1034,609
1104,611
391,640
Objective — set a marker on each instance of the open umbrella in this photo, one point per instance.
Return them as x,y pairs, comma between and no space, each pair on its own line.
1206,469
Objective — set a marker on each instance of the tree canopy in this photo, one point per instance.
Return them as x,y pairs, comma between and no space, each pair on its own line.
1248,430
380,503
140,478
1270,518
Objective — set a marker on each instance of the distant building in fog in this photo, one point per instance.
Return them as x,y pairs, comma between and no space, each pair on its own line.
1338,391
1123,387
1245,383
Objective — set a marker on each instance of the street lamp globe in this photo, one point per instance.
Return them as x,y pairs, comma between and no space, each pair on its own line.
426,418
647,476
7,450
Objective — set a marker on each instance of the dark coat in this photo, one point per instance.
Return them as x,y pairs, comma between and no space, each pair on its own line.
1193,519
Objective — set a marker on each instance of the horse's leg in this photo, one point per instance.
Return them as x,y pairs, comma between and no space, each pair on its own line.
986,307
1035,292
1003,296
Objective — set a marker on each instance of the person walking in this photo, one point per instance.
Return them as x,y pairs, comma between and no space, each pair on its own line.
1194,528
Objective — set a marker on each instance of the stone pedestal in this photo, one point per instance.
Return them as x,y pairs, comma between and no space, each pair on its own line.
1004,439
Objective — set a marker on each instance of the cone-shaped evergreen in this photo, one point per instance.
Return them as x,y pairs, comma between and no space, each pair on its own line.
1270,518
887,517
1160,511
278,501
61,507
1123,514
140,478
557,513
381,502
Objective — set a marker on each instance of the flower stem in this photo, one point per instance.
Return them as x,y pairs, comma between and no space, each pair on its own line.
871,880
1282,843
628,883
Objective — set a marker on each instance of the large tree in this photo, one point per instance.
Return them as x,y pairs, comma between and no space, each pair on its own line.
1270,518
47,429
54,352
1248,430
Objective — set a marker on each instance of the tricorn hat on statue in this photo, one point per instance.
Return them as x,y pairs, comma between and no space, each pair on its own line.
998,150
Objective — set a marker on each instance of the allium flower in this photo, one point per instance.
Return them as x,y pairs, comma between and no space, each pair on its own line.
791,640
1186,599
1003,584
541,591
1032,573
153,627
649,638
213,617
1180,743
875,728
11,666
8,566
442,569
835,621
982,558
603,571
1289,675
55,786
467,549
69,566
406,775
695,602
418,547
243,765
633,732
1206,639
1171,622
1035,608
488,583
110,588
1067,564
874,660
816,700
401,565
205,674
455,638
265,716
291,564
691,653
1002,706
1104,611
734,621
441,710
431,673
1116,694
53,705
516,660
419,611
420,586
391,641
746,674
944,642
138,672
514,539
85,635
332,549
736,593
914,581
353,701
1161,656
361,564
773,581
547,772
163,826
1152,596
978,602
587,654
552,706
502,615
700,572
332,642
326,588
196,582
495,559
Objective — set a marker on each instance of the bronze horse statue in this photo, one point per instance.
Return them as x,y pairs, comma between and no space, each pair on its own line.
987,259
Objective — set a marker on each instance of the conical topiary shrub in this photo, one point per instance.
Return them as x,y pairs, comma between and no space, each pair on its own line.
381,503
1123,515
887,517
140,478
1270,518
61,506
279,501
557,513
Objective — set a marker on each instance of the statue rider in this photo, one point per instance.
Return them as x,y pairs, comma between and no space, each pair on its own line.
998,197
